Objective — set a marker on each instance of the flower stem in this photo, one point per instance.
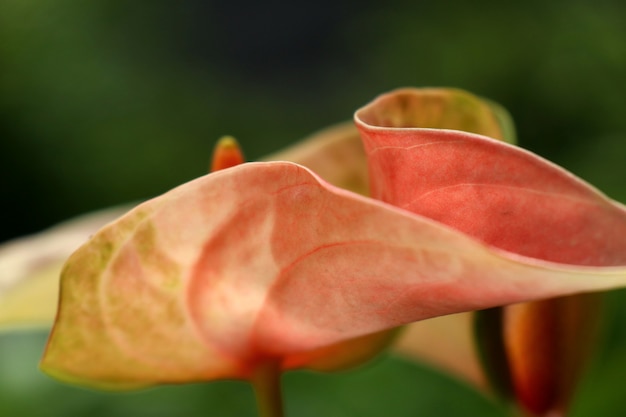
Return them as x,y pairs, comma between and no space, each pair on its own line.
267,389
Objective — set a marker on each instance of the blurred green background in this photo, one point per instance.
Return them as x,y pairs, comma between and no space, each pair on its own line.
109,101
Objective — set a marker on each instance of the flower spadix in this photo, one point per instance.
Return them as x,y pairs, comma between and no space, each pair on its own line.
268,263
227,153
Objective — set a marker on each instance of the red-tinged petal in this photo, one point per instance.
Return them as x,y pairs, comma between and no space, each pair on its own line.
336,154
446,341
503,195
511,199
265,261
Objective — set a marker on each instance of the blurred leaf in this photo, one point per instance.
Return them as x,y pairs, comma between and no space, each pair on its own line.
30,269
389,386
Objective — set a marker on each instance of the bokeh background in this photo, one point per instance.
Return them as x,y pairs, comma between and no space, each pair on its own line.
104,102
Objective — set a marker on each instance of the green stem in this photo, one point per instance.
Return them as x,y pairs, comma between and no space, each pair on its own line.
266,383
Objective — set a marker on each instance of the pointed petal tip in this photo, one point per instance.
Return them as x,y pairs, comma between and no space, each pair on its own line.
226,154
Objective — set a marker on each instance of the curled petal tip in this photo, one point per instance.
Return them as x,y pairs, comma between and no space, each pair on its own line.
435,108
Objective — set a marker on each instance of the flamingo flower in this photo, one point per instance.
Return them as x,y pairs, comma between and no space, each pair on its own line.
533,351
265,267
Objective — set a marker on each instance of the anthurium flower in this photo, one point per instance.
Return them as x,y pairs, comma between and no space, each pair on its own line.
533,349
30,266
266,265
163,294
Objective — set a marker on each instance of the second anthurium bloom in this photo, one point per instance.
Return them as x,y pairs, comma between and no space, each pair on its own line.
533,351
267,266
